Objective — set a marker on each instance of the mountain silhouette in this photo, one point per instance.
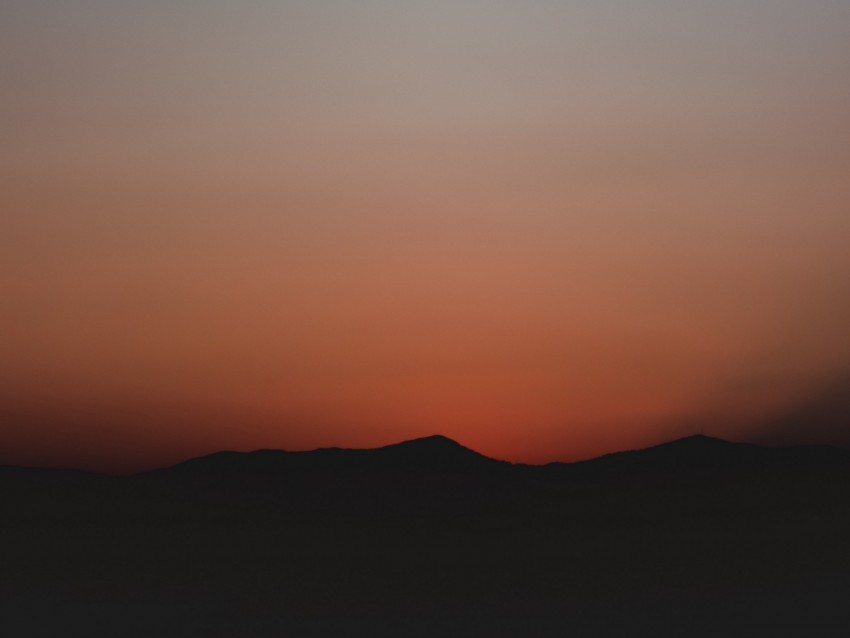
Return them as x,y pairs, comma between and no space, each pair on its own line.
435,451
433,471
429,453
697,537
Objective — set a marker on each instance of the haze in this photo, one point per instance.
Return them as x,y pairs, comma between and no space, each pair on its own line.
546,229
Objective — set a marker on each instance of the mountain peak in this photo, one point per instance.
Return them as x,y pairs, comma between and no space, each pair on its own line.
432,449
434,440
434,444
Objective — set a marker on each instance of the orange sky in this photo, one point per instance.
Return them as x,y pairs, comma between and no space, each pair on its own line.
546,231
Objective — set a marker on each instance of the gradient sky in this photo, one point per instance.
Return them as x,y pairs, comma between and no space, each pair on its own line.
546,229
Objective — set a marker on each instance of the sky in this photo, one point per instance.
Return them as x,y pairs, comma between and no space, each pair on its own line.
546,229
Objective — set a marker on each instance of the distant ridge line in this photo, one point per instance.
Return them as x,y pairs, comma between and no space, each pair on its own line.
438,447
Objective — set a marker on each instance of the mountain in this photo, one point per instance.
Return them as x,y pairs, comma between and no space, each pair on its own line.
701,453
430,453
404,475
697,537
435,452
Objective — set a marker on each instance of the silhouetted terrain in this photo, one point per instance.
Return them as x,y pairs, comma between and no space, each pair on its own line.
698,537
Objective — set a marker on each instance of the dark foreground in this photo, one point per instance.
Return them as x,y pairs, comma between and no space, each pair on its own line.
694,538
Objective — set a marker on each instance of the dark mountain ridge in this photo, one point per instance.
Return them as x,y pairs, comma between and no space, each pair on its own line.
433,452
704,452
438,469
438,454
697,537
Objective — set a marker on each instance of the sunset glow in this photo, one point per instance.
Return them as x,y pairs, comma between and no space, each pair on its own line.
547,230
